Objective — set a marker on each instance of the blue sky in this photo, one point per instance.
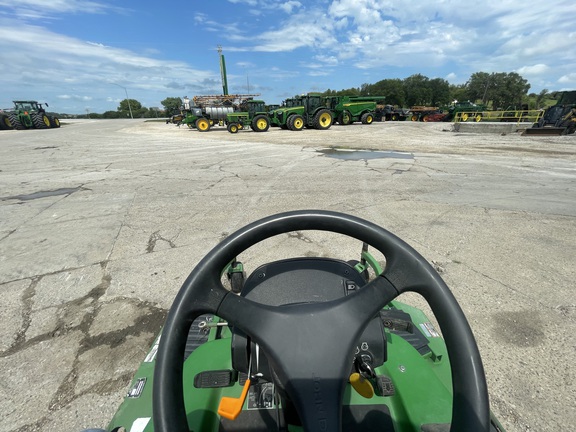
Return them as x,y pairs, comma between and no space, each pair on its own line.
81,55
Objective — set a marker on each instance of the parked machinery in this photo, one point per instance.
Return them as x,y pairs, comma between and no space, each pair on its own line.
252,114
306,110
31,114
558,119
203,112
391,113
349,109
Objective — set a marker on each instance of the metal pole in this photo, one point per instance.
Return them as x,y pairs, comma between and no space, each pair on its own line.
127,98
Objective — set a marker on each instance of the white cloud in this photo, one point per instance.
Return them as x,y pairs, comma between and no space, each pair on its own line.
537,69
568,78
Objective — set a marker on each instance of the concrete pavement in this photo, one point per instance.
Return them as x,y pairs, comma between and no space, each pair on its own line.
101,221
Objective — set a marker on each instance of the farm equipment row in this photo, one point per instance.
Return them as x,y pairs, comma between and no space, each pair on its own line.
312,110
28,115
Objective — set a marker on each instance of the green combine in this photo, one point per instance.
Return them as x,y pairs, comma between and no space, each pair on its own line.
311,343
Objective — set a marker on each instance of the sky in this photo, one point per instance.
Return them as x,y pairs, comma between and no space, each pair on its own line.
84,56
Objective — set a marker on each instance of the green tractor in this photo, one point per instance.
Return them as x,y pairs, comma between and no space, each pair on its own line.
350,109
31,114
253,114
306,110
466,111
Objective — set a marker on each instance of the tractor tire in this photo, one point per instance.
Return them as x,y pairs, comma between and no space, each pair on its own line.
414,117
5,122
40,121
232,128
323,119
478,118
15,122
394,117
203,125
54,121
295,122
464,117
367,118
260,123
345,118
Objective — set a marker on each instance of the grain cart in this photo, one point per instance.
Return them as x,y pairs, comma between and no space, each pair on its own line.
349,109
558,119
253,114
31,114
308,110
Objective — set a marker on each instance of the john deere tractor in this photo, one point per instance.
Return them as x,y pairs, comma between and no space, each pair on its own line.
306,110
31,114
253,114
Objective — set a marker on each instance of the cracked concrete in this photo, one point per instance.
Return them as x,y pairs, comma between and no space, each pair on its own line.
101,223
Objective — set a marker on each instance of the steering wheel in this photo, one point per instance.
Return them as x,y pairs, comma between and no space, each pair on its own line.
315,381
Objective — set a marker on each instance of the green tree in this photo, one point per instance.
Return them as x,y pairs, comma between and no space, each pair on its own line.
440,91
172,105
392,89
417,90
110,115
459,92
502,89
128,106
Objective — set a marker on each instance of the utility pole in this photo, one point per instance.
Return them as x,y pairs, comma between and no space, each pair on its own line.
127,98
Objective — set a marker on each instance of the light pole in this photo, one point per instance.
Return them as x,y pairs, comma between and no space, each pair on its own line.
127,98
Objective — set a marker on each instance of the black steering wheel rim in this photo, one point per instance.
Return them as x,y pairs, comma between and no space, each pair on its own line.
406,270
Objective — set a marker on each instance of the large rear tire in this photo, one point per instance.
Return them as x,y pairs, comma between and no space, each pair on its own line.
260,123
323,119
13,118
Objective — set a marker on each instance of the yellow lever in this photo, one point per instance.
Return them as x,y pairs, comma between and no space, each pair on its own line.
231,407
362,385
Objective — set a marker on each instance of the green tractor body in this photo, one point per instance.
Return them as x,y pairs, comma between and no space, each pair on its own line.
31,114
465,111
306,110
253,114
349,109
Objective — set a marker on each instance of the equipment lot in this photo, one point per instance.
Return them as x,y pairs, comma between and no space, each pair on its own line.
101,222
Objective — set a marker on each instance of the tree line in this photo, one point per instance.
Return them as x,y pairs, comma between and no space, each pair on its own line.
496,90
